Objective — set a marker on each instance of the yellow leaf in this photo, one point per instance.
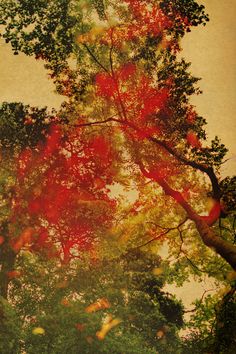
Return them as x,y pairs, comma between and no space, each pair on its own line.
107,326
38,330
157,271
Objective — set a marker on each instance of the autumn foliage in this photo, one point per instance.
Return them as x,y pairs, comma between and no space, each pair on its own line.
62,191
123,166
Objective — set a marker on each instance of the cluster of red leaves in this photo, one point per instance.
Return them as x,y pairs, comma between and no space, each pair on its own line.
145,19
193,140
109,86
191,116
62,184
133,94
148,19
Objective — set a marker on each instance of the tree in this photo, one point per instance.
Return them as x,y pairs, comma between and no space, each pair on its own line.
21,127
127,121
132,73
64,308
213,324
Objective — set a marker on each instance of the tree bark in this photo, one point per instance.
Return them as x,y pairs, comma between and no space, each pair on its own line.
7,261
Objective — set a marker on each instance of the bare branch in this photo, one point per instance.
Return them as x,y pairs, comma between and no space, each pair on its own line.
95,59
110,119
167,230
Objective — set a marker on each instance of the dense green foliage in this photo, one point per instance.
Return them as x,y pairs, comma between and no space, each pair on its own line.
55,298
22,126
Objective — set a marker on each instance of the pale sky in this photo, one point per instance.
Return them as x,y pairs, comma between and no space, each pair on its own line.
212,51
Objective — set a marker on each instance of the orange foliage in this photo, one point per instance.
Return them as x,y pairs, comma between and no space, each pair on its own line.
138,100
1,240
145,19
13,274
25,238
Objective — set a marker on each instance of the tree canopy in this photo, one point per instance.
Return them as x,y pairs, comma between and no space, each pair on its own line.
127,124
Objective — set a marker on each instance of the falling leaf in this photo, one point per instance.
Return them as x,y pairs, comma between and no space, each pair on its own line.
160,334
100,304
157,271
107,326
38,331
1,240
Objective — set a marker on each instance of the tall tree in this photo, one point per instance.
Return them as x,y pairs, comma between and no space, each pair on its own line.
129,83
127,121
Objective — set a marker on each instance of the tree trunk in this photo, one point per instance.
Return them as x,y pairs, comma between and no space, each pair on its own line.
224,248
7,261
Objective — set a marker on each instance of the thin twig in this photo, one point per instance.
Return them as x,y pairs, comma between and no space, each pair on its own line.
95,59
110,119
201,300
167,230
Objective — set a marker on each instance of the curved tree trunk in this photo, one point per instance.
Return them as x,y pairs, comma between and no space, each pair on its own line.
224,248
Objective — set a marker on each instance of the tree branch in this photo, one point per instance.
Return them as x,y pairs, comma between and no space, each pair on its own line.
224,248
95,59
200,301
167,230
207,170
110,119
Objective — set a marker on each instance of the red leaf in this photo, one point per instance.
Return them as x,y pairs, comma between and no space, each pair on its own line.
106,85
193,140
